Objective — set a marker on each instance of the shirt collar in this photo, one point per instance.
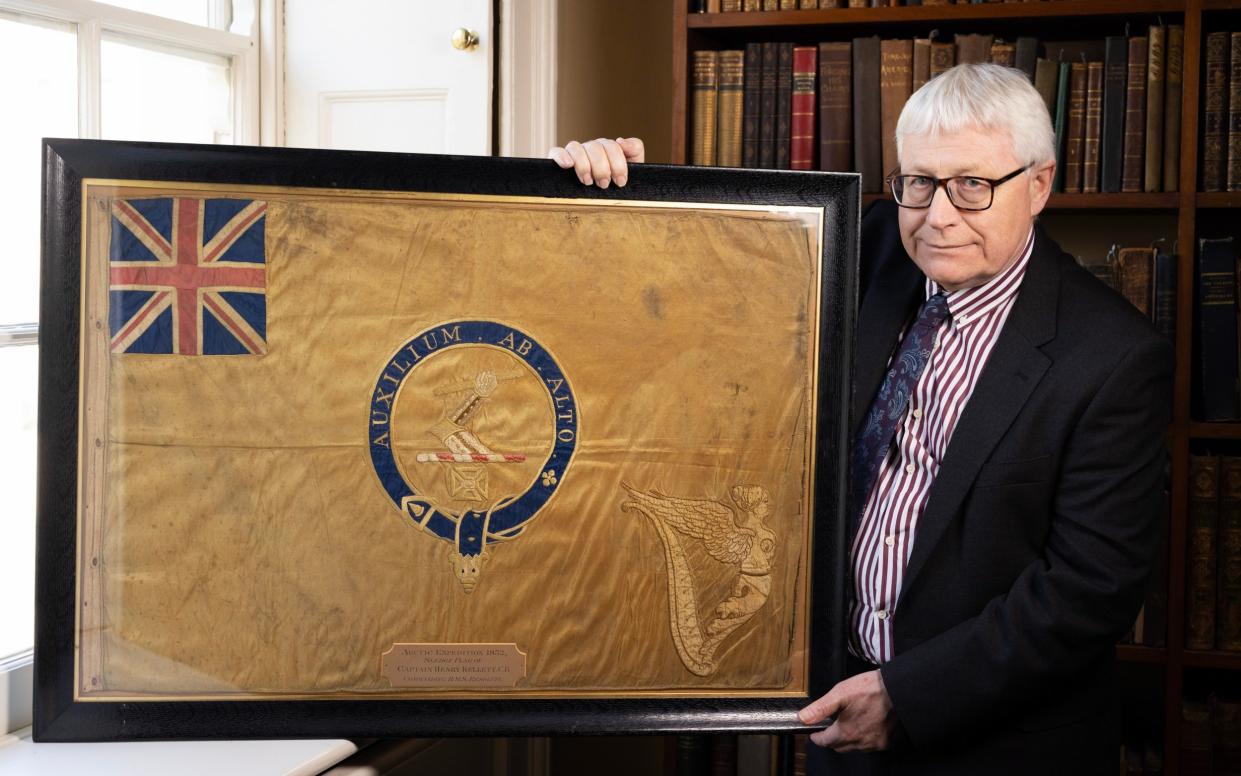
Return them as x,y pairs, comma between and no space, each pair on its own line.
969,304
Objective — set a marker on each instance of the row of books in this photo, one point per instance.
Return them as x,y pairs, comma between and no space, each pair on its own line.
1146,276
1211,736
1216,337
1221,114
732,6
1213,557
1141,755
1115,103
736,755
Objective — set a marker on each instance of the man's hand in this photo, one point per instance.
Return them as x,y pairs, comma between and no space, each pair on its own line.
600,161
864,719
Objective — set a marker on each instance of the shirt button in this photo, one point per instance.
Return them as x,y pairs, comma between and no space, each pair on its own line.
881,614
890,540
909,469
917,413
962,318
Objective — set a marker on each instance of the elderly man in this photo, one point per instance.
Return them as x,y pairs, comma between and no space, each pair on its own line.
1007,457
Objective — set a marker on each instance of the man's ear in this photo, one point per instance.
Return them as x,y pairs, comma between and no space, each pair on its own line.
1040,186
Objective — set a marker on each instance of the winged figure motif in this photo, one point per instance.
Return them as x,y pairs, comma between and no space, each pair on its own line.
736,537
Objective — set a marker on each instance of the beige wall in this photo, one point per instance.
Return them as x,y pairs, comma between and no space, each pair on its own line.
615,72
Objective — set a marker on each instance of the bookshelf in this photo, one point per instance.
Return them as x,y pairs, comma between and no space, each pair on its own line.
699,31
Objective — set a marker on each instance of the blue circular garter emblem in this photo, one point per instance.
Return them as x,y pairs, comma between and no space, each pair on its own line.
472,426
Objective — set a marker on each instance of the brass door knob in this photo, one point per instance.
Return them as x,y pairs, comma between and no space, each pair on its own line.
464,40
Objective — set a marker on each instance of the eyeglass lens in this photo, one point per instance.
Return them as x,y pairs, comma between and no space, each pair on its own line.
917,190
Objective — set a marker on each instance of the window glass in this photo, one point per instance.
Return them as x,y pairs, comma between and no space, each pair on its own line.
40,94
192,11
19,365
153,92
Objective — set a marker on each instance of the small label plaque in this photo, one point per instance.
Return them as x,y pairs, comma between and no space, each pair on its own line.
453,665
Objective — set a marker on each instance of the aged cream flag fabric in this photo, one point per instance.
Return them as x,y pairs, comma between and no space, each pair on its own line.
316,425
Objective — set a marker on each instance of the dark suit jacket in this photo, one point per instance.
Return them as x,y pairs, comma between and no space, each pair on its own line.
1032,556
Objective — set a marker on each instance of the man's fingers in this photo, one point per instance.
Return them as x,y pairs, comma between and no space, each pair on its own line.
829,737
560,157
600,167
616,160
635,150
819,710
581,161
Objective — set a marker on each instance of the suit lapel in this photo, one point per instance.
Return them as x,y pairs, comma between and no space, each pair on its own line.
1013,370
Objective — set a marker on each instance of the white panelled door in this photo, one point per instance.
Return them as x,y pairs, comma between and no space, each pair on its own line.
384,75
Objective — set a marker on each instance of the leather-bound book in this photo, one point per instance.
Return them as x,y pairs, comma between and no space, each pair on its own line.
1003,54
1174,68
895,86
1164,314
1112,148
1217,328
1228,542
1062,122
1153,177
801,148
1215,113
771,5
1232,177
859,3
1094,124
731,99
943,57
1155,605
705,92
767,107
753,5
1135,271
921,63
836,106
724,755
788,5
730,6
1045,72
867,148
1075,137
1135,116
975,47
1195,738
1200,558
1026,56
809,4
750,105
784,105
1225,737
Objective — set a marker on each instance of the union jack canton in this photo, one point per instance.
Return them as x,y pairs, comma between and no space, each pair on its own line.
188,276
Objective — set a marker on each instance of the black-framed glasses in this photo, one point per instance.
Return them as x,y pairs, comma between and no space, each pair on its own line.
965,192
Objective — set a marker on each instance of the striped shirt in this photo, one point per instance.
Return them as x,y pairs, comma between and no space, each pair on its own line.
885,537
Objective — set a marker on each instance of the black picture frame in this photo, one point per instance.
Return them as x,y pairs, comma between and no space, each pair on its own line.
67,163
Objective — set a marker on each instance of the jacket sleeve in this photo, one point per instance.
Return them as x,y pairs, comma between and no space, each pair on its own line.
1068,608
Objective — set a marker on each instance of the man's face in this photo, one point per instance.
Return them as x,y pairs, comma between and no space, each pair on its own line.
962,249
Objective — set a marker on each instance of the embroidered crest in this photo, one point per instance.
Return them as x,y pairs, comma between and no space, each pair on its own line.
471,429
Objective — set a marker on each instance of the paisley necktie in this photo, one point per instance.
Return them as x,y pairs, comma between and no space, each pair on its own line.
892,400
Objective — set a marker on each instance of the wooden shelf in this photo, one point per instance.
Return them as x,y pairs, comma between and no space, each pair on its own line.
1213,659
932,13
1218,199
1133,653
1215,430
1219,5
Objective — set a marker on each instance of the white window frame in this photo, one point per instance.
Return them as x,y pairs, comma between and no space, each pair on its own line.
93,20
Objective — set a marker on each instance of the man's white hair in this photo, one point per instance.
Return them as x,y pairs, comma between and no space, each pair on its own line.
984,97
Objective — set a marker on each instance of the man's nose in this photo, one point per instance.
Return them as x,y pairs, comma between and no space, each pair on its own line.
941,212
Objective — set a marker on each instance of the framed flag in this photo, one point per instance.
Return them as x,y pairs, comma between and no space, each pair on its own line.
379,445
